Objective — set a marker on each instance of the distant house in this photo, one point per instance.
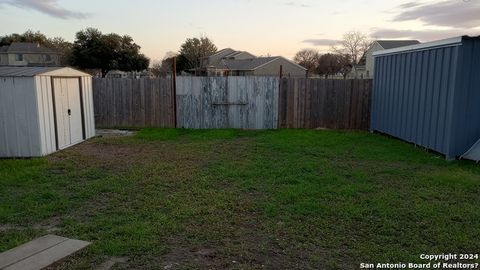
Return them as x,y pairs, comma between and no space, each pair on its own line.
228,62
365,67
116,74
28,54
128,74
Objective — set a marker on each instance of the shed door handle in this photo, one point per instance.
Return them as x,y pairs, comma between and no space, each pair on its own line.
69,112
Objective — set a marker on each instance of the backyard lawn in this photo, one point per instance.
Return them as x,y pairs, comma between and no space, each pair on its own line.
230,199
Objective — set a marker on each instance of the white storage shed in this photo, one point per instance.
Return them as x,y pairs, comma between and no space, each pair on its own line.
43,110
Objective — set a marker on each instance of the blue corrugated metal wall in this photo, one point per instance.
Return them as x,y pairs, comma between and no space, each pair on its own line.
430,97
466,119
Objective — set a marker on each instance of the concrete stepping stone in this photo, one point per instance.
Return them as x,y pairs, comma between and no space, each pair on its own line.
40,253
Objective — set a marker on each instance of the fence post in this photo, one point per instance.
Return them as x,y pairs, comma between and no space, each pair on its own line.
174,90
279,116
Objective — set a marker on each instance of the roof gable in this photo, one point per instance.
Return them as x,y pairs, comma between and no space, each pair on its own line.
223,52
24,47
247,64
390,44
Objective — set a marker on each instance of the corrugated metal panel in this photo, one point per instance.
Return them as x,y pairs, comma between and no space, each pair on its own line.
88,108
466,114
473,153
45,114
429,95
19,131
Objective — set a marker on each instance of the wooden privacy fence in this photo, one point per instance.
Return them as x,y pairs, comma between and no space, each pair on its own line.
133,102
319,103
227,102
233,102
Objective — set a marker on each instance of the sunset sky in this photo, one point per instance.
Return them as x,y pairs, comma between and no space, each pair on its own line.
276,27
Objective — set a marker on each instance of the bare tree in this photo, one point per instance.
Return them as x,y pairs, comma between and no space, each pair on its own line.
345,64
352,47
156,68
307,58
354,44
164,67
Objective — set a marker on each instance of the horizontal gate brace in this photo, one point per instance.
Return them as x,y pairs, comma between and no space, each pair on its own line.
228,103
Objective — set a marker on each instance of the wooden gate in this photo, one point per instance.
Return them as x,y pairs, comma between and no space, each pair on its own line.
227,102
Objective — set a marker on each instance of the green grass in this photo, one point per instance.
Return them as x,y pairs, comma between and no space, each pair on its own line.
234,199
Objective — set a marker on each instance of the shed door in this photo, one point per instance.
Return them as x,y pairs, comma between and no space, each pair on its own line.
68,111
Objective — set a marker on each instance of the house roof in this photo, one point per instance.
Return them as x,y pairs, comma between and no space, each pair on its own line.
390,44
116,71
11,71
24,47
247,64
223,52
227,60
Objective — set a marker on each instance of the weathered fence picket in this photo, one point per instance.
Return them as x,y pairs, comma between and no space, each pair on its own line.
227,102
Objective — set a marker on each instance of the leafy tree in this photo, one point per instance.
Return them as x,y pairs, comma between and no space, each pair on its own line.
57,44
28,36
182,63
193,51
63,47
307,58
93,49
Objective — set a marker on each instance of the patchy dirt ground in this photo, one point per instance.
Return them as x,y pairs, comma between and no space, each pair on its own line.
180,199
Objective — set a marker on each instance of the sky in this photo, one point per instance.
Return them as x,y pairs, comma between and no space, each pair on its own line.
262,27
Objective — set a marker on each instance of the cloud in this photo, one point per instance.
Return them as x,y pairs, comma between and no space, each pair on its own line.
422,35
409,5
451,13
321,41
49,7
296,4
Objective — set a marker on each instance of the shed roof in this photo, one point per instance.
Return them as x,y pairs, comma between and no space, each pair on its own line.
10,71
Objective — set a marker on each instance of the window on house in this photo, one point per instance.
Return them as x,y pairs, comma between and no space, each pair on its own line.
18,57
47,57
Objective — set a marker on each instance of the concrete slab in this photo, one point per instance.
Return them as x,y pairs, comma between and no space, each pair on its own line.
40,253
26,250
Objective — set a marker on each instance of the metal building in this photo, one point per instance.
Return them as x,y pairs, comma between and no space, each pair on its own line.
43,109
429,94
